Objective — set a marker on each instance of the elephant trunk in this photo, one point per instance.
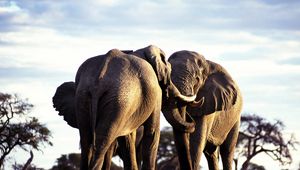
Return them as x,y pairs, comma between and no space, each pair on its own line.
175,118
171,111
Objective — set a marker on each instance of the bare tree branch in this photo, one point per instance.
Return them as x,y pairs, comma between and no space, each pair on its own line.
261,136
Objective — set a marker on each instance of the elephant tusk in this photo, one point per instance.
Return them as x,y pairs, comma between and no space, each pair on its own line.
173,89
198,103
187,98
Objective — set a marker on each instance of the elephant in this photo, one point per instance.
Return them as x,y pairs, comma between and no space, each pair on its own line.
215,112
117,146
114,94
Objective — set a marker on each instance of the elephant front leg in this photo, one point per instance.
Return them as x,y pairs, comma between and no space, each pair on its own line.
182,143
198,138
211,153
228,147
183,149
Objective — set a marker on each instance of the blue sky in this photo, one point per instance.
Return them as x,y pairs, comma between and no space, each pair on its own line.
42,43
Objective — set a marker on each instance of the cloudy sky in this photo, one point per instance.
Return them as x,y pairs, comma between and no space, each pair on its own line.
43,42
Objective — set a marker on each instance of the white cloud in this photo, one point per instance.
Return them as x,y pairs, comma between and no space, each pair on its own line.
237,15
9,7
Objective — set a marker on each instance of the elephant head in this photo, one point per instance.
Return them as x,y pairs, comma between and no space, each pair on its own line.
194,75
64,102
187,85
156,57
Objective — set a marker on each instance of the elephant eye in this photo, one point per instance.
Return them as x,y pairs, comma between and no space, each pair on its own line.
197,83
163,58
197,80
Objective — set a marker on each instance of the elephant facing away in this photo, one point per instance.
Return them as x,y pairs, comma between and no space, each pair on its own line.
64,94
114,94
215,112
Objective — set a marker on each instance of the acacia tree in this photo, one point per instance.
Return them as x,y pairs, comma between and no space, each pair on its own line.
166,148
71,161
167,154
27,166
17,129
258,136
67,162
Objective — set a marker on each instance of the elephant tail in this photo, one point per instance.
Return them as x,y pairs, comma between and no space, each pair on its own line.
96,94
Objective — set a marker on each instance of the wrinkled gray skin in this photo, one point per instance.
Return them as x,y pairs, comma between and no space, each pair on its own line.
114,94
216,111
118,147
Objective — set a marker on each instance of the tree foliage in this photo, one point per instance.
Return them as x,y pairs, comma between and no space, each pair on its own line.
166,148
17,129
72,162
254,166
257,135
67,162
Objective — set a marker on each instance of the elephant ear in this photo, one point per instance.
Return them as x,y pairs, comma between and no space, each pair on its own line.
219,91
156,57
64,102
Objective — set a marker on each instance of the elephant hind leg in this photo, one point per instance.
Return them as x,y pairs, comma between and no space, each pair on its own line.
150,140
104,139
108,156
102,145
127,151
211,153
228,147
86,151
